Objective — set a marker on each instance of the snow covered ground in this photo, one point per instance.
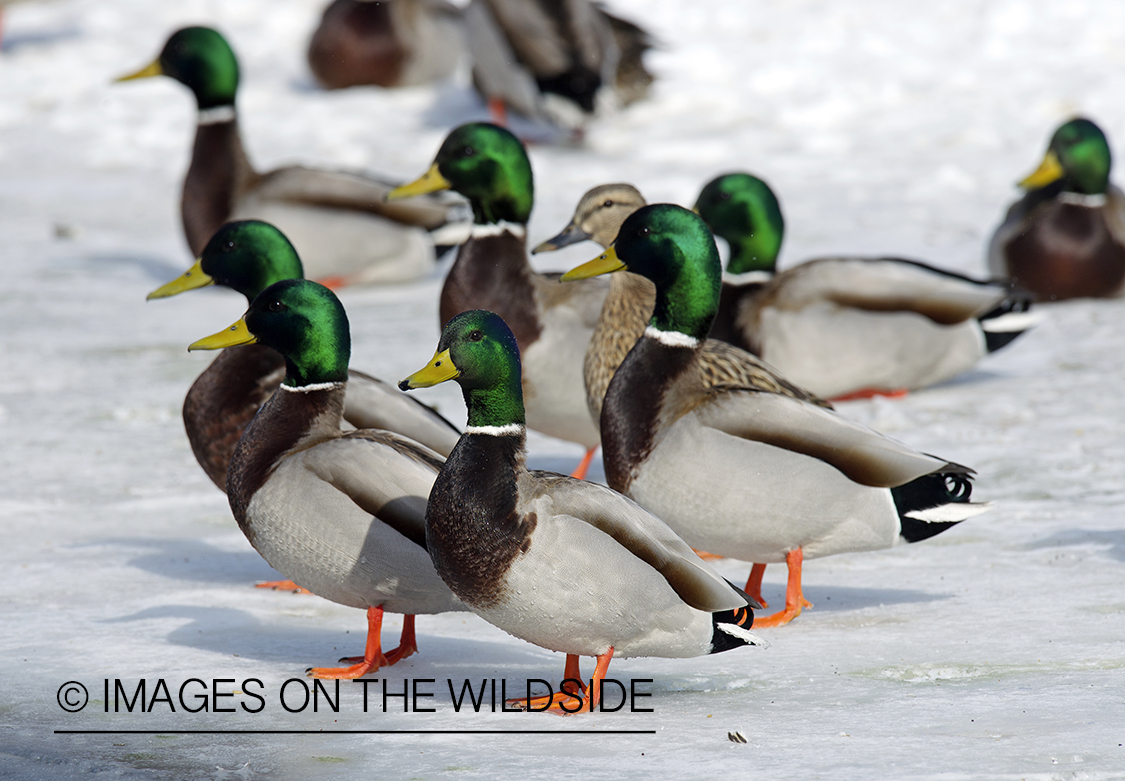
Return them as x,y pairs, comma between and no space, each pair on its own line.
996,650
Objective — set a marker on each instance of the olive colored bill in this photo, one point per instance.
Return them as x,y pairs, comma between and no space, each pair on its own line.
235,335
191,279
602,264
571,234
147,72
440,369
429,182
1050,170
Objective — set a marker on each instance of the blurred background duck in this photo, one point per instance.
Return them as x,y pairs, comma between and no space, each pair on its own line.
559,61
568,565
742,472
552,322
628,306
342,514
247,257
846,327
1066,237
387,43
338,220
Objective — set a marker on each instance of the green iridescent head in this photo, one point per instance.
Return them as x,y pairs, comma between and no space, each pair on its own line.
200,59
1079,156
479,351
302,320
249,256
486,164
743,210
674,248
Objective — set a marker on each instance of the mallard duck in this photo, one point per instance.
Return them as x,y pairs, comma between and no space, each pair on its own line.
568,565
1066,237
743,472
248,256
844,327
553,324
338,220
388,43
343,514
554,61
599,215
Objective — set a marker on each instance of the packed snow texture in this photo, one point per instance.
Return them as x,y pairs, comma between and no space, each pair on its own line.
995,650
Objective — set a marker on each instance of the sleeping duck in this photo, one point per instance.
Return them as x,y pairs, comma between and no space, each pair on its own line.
338,220
846,327
388,43
343,514
629,303
552,323
567,565
248,256
743,472
1066,237
554,61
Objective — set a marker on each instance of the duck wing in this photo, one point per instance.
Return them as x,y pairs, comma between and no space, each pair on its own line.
637,530
863,455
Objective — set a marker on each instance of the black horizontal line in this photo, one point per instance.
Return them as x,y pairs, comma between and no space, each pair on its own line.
355,732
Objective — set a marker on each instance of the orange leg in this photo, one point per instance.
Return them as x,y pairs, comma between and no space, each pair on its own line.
373,657
794,599
407,644
570,673
498,111
283,585
584,465
334,283
870,393
754,584
577,703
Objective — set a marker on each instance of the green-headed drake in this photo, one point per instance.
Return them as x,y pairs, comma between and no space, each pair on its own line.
628,306
743,472
552,324
248,256
342,514
1066,237
402,43
568,565
557,62
338,220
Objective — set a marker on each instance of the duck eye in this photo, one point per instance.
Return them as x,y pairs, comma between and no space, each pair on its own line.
724,195
228,245
476,335
607,203
643,231
276,306
467,152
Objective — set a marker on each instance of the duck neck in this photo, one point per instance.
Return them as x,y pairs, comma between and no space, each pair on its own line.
219,174
755,252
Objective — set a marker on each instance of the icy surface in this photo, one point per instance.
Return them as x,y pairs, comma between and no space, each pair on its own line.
995,650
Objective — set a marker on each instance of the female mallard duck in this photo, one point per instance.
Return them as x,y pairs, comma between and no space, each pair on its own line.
598,217
1066,237
338,220
388,43
554,61
565,564
343,514
743,472
552,324
847,326
248,257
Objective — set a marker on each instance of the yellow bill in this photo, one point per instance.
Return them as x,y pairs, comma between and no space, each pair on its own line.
1050,170
440,369
229,337
429,182
191,279
602,264
147,72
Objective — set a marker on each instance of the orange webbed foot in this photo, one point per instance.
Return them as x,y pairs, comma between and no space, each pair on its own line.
373,657
870,393
283,585
794,597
